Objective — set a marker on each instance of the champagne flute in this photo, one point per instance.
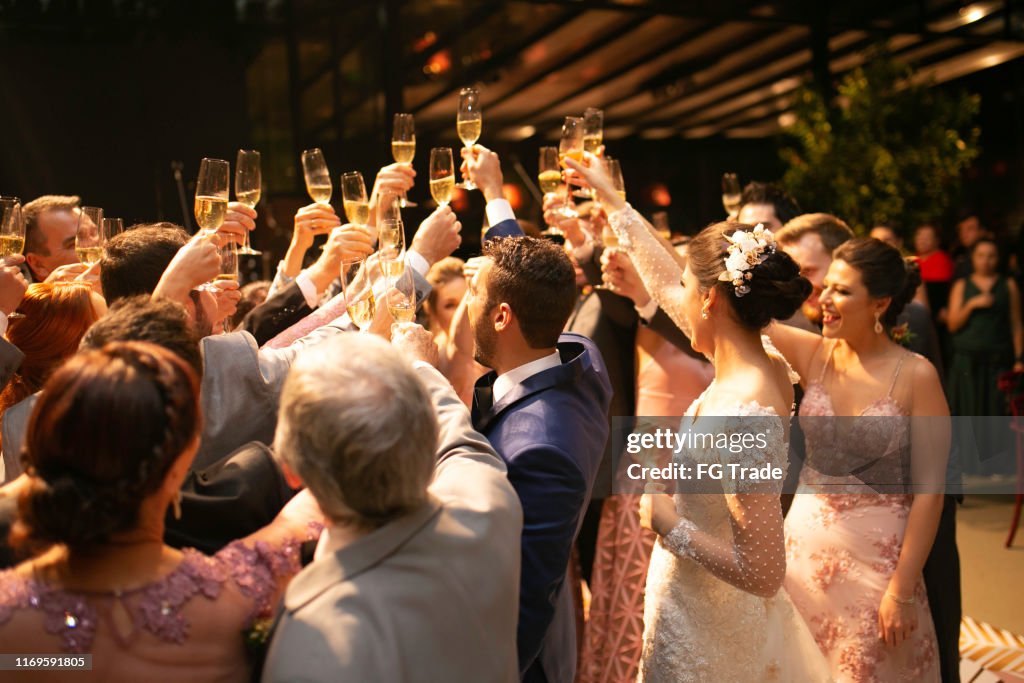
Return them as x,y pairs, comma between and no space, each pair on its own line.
570,147
12,227
318,178
442,175
353,192
593,136
549,174
212,189
89,240
731,195
359,299
401,293
228,263
112,227
469,122
403,144
615,174
248,185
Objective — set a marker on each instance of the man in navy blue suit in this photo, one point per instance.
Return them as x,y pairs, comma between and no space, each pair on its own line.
544,408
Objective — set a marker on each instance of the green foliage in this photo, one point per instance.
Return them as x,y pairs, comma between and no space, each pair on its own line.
888,151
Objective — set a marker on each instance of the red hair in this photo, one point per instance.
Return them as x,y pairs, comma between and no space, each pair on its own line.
56,317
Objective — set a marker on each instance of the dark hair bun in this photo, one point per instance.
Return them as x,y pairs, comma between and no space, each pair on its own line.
776,291
68,509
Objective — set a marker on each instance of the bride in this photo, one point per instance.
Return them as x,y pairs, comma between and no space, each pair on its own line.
714,608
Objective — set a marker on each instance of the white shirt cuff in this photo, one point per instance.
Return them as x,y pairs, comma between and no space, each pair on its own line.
499,210
415,260
648,310
3,324
308,289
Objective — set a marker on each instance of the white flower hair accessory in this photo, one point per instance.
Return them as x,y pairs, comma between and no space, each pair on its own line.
746,250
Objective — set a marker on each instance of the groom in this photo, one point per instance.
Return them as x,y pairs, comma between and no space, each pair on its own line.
544,409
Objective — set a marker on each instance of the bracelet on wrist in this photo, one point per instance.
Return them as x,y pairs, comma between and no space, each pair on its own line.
900,601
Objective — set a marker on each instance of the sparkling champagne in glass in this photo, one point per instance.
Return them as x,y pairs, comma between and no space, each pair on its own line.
401,294
549,175
12,227
442,175
359,299
403,144
731,195
353,192
248,185
570,147
89,238
469,122
615,173
593,136
318,178
212,188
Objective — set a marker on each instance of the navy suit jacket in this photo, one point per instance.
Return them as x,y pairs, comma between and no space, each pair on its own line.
506,228
551,432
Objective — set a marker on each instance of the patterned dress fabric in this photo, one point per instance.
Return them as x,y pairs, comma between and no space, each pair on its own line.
842,547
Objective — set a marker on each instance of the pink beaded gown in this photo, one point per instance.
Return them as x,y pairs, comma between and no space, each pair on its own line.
842,548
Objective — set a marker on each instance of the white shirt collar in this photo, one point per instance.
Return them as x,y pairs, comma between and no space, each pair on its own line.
516,376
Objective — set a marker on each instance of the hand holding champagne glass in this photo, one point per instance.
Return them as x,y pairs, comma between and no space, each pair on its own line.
248,185
358,293
593,137
12,227
318,178
401,293
442,175
353,192
89,238
469,123
403,144
212,190
731,195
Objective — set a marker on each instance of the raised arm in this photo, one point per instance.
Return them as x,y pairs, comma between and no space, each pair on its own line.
798,347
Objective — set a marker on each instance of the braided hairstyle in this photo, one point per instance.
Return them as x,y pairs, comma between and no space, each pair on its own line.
101,439
776,287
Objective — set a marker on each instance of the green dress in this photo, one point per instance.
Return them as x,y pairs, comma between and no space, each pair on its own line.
982,350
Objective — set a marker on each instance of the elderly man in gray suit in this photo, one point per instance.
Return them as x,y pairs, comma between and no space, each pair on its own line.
416,577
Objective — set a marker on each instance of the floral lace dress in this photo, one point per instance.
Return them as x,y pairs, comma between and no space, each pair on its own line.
187,626
842,547
711,612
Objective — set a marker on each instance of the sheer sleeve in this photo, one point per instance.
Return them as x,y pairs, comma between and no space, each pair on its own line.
753,558
658,269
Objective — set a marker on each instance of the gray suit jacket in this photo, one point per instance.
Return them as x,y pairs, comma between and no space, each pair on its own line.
433,596
240,393
10,361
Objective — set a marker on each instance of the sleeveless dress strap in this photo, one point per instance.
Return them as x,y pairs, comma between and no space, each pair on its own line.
895,375
828,361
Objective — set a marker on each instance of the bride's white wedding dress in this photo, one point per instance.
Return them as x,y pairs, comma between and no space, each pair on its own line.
705,617
714,608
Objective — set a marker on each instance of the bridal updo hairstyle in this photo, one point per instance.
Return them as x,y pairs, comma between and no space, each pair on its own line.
101,439
884,272
776,287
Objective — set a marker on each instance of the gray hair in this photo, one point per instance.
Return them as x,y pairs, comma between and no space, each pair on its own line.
358,427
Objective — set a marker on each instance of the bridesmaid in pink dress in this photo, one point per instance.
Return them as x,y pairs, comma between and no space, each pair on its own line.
668,381
855,555
108,445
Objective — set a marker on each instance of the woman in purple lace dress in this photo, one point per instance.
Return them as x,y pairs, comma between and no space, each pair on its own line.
109,444
866,514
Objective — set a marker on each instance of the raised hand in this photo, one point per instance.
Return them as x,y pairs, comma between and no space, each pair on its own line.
414,342
227,296
483,168
345,243
195,263
621,277
438,235
593,174
12,284
393,179
239,220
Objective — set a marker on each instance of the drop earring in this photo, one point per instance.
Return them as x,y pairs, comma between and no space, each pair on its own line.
878,324
704,312
176,505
